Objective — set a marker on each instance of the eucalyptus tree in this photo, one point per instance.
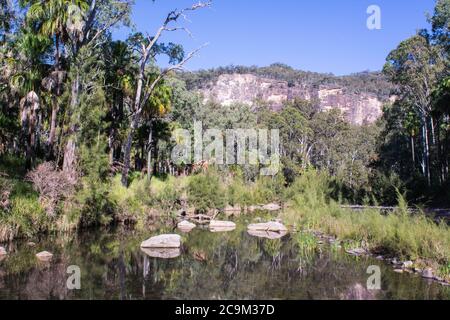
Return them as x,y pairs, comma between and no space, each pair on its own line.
440,23
87,28
416,66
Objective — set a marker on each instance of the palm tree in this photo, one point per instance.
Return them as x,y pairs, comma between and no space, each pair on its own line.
29,69
50,18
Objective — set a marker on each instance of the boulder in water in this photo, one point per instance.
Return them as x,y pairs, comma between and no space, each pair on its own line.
269,226
163,241
186,226
162,253
427,273
272,207
267,234
221,226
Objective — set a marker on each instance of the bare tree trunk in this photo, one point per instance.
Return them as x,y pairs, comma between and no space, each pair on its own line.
149,153
127,150
70,149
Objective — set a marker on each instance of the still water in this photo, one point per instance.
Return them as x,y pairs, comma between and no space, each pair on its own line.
229,265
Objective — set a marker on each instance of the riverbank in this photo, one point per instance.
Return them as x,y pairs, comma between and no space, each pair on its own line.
397,236
310,206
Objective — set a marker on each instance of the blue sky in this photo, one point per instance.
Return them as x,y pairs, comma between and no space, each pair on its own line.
314,35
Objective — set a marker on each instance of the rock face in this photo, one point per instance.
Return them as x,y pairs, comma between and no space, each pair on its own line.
428,273
357,108
44,256
163,241
269,226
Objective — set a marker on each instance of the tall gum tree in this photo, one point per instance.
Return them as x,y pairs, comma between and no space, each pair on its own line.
86,29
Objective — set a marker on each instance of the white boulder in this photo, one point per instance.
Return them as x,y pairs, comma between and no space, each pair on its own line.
221,226
268,226
163,241
186,226
44,256
162,253
267,234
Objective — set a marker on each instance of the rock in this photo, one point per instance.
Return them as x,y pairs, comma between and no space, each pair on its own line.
379,258
31,244
398,270
221,226
44,256
267,234
163,241
162,253
356,252
407,264
427,273
186,226
230,209
269,226
254,208
228,89
418,270
272,207
3,251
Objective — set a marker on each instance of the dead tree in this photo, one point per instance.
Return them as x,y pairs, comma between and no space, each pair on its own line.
146,52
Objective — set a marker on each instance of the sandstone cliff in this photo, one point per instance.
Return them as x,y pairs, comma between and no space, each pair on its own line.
357,107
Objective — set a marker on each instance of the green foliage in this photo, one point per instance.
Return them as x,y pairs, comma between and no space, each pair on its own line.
24,217
205,191
400,233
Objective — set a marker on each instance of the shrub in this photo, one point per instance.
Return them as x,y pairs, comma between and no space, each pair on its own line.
25,219
52,185
399,233
205,191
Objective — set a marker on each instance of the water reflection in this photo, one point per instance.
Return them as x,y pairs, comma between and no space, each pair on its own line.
231,265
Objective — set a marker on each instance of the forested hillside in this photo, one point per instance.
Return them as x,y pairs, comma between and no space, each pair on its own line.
364,82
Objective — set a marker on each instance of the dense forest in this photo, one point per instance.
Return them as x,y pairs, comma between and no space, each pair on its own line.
86,124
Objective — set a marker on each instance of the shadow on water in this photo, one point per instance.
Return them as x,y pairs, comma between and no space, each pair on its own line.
229,265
